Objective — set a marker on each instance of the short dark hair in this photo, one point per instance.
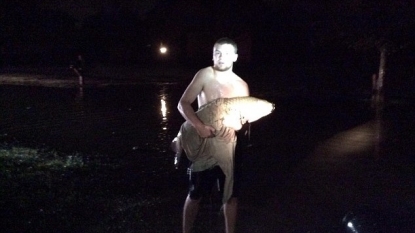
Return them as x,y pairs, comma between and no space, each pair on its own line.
226,40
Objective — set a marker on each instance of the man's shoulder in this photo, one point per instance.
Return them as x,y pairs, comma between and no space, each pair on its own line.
242,86
205,73
240,80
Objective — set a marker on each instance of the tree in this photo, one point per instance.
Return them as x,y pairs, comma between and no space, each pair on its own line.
386,26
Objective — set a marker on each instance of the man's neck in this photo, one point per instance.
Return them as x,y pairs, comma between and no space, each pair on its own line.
222,72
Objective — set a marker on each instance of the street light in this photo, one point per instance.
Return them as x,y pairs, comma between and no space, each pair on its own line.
163,49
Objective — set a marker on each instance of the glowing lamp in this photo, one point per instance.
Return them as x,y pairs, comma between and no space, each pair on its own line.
163,49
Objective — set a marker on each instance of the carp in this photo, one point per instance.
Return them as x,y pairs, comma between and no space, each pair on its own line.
224,112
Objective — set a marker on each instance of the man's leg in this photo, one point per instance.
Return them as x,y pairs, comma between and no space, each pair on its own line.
190,210
230,210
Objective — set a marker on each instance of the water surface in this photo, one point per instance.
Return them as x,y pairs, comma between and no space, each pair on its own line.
309,162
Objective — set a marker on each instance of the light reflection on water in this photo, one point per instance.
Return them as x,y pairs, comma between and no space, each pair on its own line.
114,120
164,137
163,109
142,119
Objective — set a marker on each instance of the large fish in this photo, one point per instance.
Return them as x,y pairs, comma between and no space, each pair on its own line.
228,112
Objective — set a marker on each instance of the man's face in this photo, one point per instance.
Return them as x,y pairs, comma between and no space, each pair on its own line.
223,56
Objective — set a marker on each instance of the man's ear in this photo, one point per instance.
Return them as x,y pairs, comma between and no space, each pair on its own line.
235,58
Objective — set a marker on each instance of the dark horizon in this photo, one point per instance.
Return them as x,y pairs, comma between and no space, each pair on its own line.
263,30
332,43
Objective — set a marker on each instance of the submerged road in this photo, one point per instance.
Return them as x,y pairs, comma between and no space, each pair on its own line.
310,162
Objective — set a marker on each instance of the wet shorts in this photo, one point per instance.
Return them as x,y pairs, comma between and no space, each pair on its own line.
204,182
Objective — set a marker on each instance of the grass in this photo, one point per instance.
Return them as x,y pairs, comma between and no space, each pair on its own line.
45,190
38,159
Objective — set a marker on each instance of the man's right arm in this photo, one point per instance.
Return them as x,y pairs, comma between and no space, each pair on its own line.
185,105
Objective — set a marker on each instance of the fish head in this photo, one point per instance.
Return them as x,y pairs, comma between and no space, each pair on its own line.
257,109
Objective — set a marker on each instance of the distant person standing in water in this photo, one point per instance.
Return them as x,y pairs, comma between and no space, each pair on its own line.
78,68
210,83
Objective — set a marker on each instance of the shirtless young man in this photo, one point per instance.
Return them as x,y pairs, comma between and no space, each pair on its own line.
210,83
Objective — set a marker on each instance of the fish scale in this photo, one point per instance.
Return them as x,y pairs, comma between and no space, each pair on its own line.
221,108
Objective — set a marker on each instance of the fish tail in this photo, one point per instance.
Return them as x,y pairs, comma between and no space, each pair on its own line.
177,148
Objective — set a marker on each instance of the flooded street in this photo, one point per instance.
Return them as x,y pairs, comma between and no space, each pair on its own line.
111,119
311,162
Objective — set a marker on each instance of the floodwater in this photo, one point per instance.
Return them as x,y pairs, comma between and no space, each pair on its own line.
309,163
114,120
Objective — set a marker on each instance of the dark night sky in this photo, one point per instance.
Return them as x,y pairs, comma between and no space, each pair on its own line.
317,43
81,9
273,34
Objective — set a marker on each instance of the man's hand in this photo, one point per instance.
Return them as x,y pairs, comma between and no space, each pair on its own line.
205,131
